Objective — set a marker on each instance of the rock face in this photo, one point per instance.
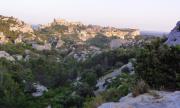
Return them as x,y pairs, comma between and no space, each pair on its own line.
122,33
15,31
174,36
116,43
3,38
162,100
21,26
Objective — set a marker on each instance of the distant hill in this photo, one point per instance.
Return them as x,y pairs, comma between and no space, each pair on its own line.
153,33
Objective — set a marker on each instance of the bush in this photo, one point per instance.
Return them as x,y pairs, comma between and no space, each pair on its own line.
158,65
119,87
112,94
94,102
140,88
90,78
65,98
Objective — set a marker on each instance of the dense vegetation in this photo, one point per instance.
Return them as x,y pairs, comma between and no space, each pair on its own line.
158,65
99,40
71,84
15,49
59,76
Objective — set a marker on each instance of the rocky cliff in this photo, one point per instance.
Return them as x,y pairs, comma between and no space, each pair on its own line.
14,30
174,36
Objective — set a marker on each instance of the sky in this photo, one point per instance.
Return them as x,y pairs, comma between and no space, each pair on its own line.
150,15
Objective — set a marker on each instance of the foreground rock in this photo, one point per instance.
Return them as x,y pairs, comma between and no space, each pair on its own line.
174,36
40,89
160,100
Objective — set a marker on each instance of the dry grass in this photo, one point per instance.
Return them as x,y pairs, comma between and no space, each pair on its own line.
140,88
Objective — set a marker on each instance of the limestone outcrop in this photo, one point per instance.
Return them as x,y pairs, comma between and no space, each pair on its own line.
38,47
21,26
3,39
86,32
174,36
160,100
40,89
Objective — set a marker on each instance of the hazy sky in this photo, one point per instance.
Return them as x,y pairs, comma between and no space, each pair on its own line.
158,15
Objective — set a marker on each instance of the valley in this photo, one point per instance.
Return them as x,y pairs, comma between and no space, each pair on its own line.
67,64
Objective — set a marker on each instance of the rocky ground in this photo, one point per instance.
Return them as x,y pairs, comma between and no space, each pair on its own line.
174,36
154,99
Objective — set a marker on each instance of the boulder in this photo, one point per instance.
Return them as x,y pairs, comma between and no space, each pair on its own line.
40,89
4,54
174,36
160,99
59,43
18,57
38,47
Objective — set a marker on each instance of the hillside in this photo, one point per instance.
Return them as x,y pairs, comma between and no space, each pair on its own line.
86,32
71,65
76,39
16,31
13,30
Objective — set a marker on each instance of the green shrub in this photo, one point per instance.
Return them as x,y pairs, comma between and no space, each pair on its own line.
94,102
112,94
119,87
158,65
